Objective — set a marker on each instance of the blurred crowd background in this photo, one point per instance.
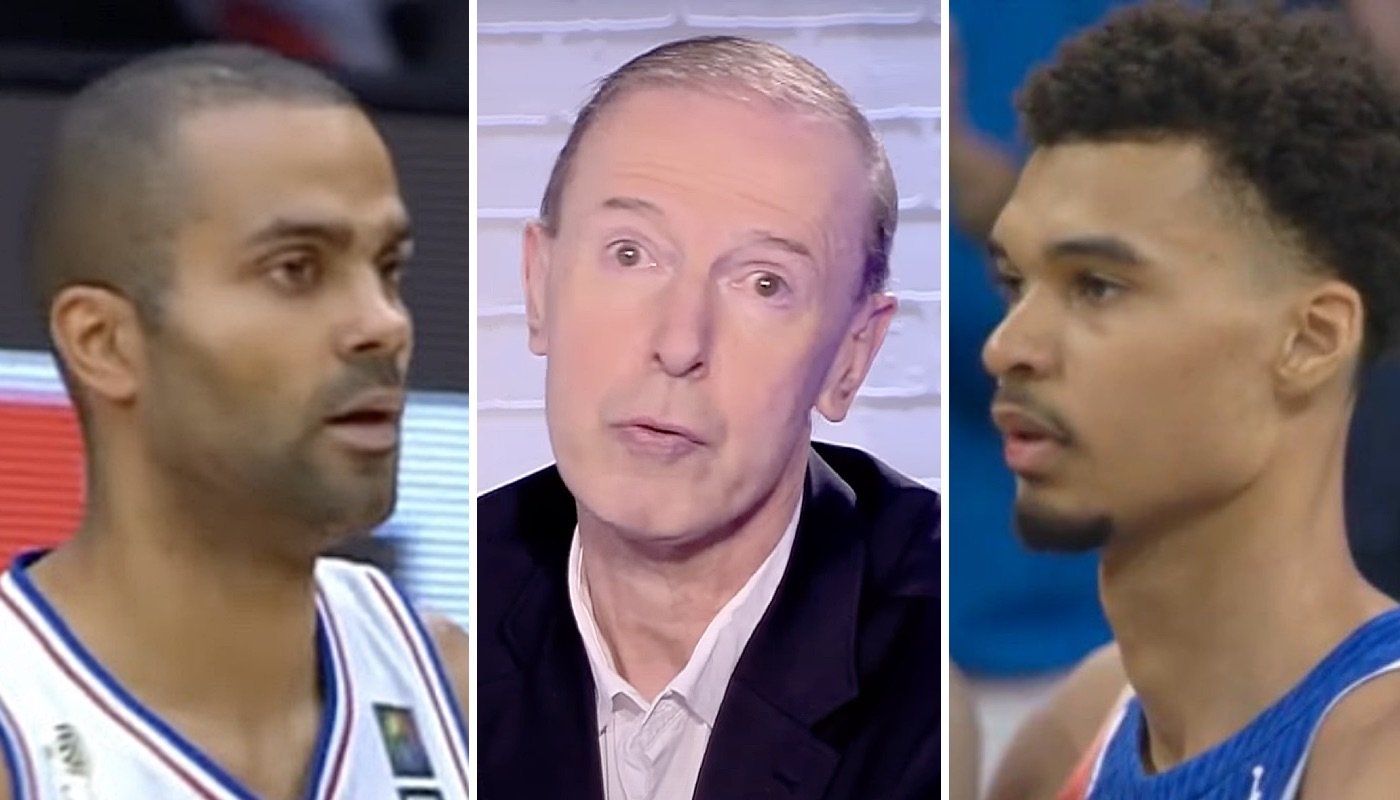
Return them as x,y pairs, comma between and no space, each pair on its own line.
421,41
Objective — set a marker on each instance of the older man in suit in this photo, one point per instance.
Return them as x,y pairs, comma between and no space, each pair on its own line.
696,600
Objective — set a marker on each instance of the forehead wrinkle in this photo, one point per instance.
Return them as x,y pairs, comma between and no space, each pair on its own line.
657,150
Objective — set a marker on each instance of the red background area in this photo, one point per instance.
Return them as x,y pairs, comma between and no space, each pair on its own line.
41,476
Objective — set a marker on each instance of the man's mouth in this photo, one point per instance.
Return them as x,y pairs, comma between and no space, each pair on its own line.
1030,444
662,439
370,422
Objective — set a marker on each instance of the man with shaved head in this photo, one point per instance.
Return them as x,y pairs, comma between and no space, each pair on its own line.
217,244
696,600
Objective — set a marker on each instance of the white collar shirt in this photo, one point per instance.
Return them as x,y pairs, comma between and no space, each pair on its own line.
653,751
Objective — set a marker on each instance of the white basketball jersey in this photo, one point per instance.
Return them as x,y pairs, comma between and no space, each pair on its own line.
390,730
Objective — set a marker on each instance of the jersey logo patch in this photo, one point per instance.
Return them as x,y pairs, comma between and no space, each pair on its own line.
70,756
407,755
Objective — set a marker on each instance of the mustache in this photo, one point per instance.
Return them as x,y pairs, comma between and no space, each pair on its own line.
368,374
1018,396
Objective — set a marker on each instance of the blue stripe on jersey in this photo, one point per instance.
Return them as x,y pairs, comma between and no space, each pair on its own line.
9,751
168,735
1258,761
453,707
330,708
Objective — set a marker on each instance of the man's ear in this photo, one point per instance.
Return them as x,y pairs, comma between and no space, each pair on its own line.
98,337
1327,326
535,280
855,354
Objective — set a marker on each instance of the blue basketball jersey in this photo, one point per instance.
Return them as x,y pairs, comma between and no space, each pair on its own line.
1265,760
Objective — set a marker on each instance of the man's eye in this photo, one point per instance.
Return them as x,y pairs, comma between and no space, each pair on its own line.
392,271
627,253
768,284
1008,286
1095,289
296,273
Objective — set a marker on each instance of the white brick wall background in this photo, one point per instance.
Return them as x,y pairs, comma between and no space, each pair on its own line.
537,61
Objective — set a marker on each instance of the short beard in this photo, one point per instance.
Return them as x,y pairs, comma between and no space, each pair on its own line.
1047,531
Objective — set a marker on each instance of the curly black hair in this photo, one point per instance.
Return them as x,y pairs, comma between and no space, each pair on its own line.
1291,104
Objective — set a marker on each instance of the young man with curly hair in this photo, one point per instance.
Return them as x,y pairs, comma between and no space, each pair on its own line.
1199,257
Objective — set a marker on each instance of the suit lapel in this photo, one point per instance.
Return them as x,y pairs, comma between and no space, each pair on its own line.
552,715
800,665
758,750
562,744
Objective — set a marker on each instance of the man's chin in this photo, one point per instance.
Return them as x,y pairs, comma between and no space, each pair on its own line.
664,530
1048,530
339,536
360,508
657,527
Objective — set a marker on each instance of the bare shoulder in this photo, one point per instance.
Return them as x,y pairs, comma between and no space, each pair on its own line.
1054,738
1357,752
454,649
5,779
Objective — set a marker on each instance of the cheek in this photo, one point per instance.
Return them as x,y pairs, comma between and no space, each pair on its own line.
588,348
246,378
768,385
1183,412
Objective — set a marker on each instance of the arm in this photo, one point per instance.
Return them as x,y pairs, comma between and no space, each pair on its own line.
1379,781
980,179
5,779
454,648
980,175
964,745
1052,741
1357,752
1372,772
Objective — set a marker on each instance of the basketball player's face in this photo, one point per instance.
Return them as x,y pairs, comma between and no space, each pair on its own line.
277,368
1134,358
697,301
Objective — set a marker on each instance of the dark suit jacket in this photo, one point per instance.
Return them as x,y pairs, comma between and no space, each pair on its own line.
836,695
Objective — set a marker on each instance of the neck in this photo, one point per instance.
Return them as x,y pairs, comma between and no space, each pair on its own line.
156,570
1219,617
652,608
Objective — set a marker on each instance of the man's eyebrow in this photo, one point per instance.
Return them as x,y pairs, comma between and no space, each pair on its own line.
335,232
995,251
1099,248
400,235
793,246
633,204
756,236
